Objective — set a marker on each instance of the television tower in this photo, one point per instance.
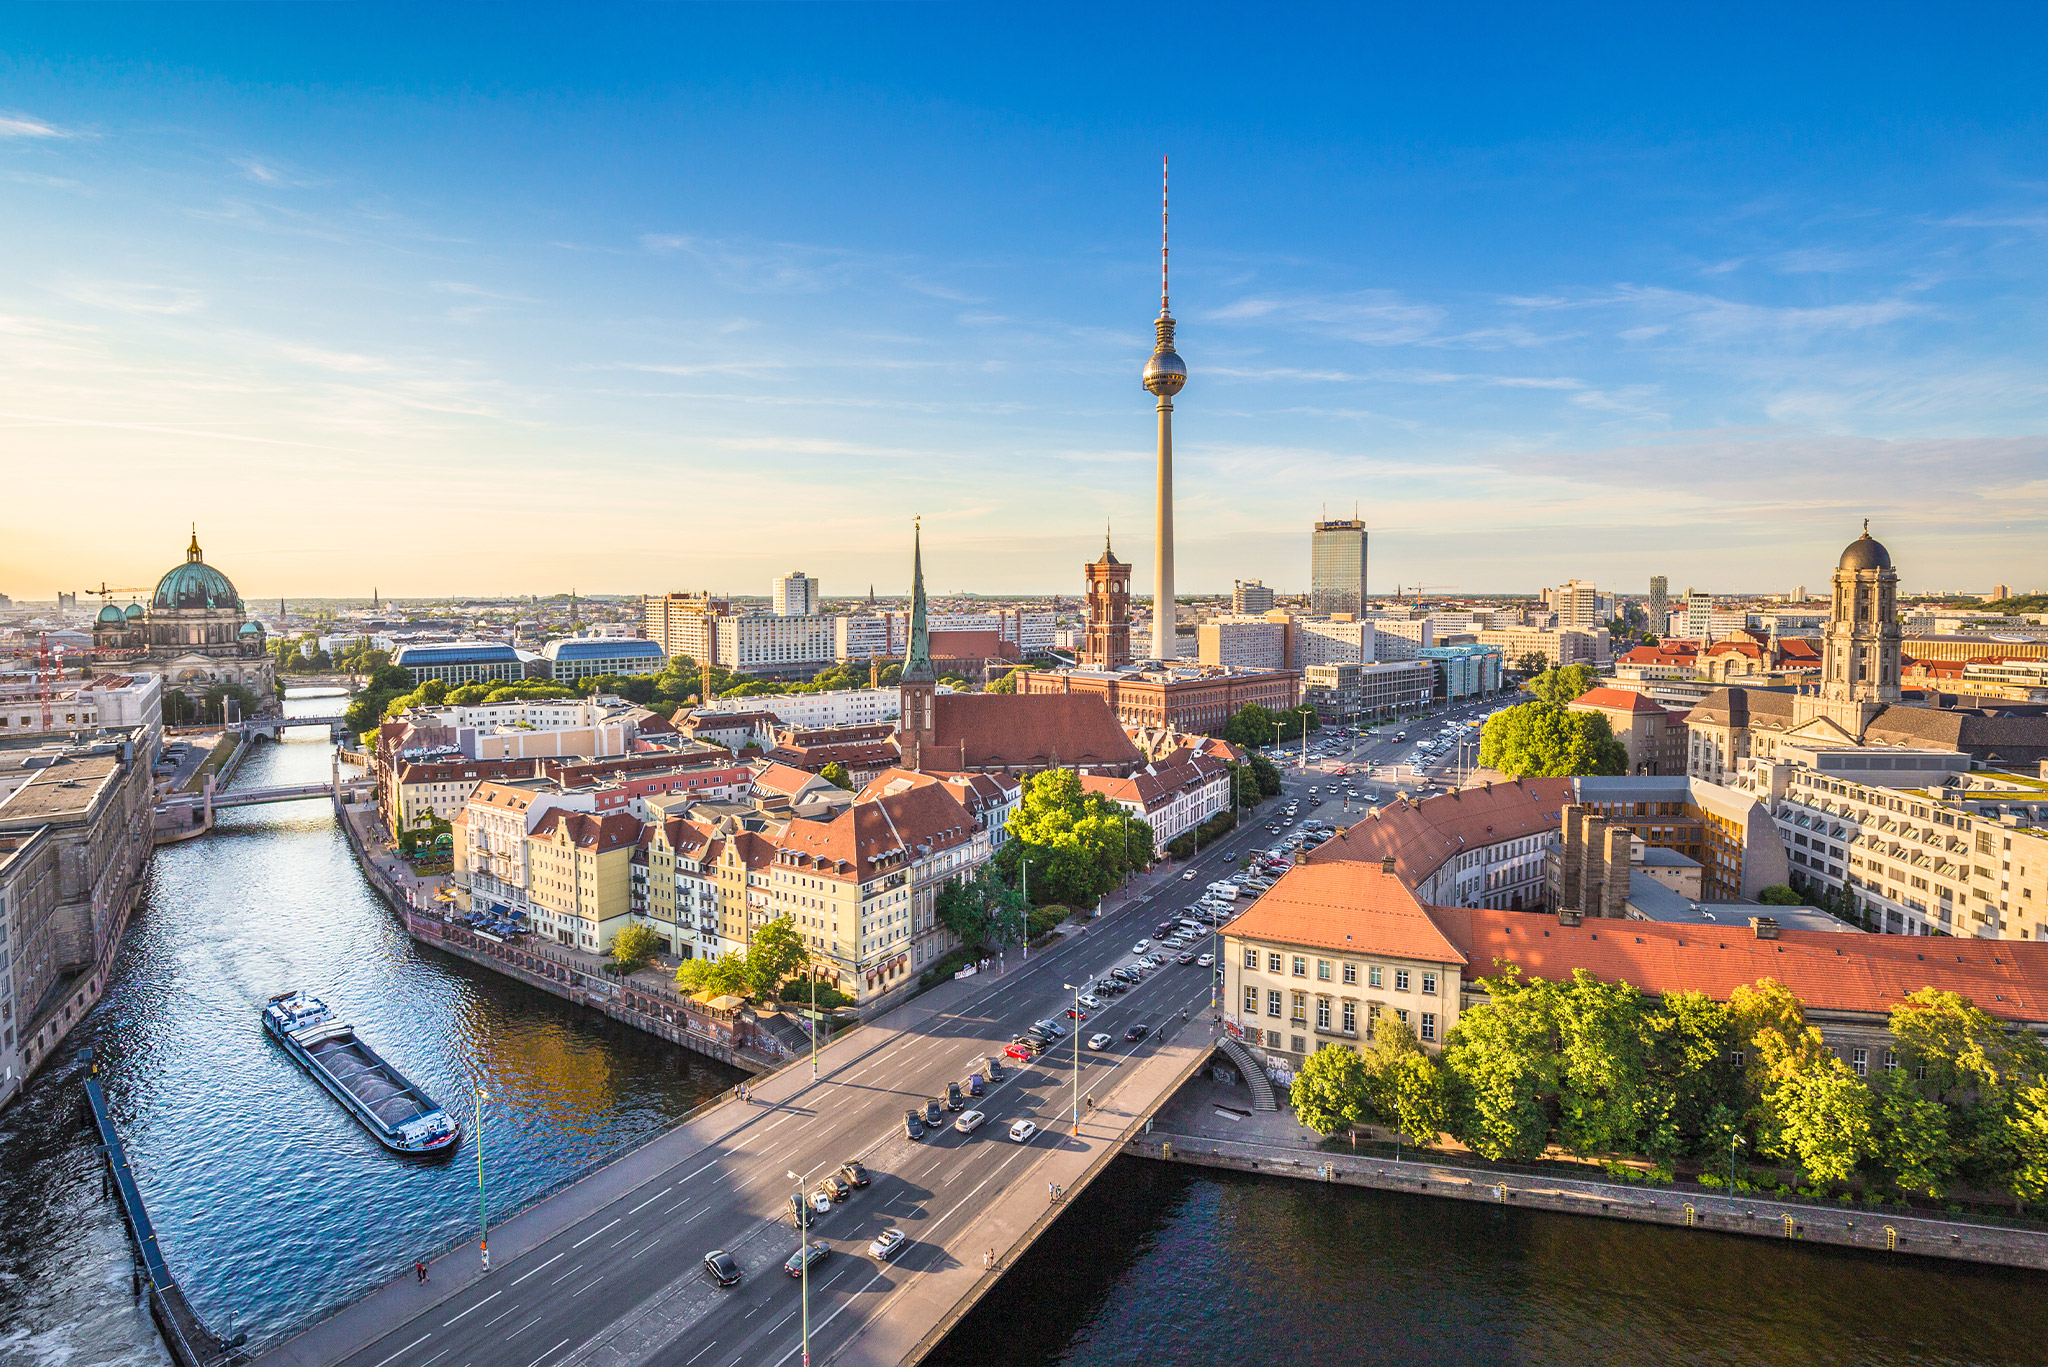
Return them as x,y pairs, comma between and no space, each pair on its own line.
1165,373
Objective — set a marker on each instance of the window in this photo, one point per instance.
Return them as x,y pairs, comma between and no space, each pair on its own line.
1350,1018
1251,1001
1251,958
1428,1030
1429,983
1401,1014
1299,1007
1323,969
1301,966
1273,1002
1400,980
1375,976
1273,963
1351,973
1372,1018
1891,1060
1861,1063
1322,1013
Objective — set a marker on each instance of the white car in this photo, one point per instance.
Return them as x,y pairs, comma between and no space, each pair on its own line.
1207,961
887,1245
1022,1131
1188,875
1100,1041
1090,1001
1141,946
969,1121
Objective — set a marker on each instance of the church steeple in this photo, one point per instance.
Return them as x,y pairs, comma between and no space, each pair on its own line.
917,660
918,687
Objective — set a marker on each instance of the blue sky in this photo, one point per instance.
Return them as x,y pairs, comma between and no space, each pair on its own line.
504,299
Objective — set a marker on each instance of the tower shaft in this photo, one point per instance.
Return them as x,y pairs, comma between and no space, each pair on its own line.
1163,623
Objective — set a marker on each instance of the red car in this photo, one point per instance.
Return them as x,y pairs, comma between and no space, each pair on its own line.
1018,1051
1077,1015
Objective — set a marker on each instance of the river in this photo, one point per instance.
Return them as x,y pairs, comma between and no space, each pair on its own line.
274,1208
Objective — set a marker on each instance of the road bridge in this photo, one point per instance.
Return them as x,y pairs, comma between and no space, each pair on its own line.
275,727
607,1273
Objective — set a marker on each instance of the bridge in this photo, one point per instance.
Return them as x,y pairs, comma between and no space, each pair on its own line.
607,1273
275,727
184,815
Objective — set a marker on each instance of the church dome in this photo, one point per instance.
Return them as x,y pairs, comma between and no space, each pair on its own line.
111,616
250,629
1865,553
195,586
134,612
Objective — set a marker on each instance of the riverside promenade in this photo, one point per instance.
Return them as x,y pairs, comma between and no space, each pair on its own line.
1210,1125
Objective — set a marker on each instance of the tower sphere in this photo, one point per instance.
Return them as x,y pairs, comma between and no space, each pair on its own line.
1165,373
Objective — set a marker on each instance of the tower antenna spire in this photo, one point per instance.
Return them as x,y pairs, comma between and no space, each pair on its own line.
1162,236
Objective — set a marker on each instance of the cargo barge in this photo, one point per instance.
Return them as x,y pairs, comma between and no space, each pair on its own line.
398,1114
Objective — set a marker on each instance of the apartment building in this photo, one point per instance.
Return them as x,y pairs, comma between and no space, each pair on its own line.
868,635
1555,648
579,876
493,856
1464,671
1173,797
29,961
766,644
1577,604
795,595
1250,597
1369,692
1471,847
1654,736
840,707
685,624
675,892
1185,698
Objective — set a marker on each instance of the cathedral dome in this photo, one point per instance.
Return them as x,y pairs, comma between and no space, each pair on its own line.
195,586
111,616
134,612
1865,553
250,629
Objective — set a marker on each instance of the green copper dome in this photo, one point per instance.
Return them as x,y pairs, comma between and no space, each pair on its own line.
134,612
111,616
195,585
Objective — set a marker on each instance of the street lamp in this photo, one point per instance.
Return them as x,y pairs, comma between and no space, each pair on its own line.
482,1213
1076,990
803,1254
1733,1140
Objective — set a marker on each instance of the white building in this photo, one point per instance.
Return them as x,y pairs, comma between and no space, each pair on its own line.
1333,641
1578,604
795,595
864,635
841,707
1172,797
1398,638
761,643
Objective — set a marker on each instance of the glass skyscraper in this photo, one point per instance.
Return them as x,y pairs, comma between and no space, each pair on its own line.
1337,568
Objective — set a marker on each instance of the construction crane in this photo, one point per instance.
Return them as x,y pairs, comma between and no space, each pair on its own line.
1425,590
50,657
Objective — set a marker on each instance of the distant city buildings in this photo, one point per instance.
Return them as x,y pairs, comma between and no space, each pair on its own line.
1577,604
1249,596
1660,604
587,657
685,624
795,595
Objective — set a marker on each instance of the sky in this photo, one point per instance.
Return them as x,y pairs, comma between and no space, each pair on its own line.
502,299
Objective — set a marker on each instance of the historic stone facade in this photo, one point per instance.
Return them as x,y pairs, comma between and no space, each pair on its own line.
194,634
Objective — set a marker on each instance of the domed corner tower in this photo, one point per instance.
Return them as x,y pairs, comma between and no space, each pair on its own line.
1860,663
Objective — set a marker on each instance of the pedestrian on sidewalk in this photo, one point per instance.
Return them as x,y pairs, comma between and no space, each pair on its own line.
420,1269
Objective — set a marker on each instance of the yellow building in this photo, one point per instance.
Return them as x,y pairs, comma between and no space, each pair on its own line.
579,876
675,891
1328,951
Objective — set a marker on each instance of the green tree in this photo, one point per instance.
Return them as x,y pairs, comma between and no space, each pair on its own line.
1909,1138
1008,683
1823,1118
1250,726
1547,741
1560,686
1529,662
2030,1142
1405,1088
836,775
1953,1055
776,953
634,947
982,910
1329,1093
1604,1080
1502,1063
1694,1086
1078,845
1779,895
720,977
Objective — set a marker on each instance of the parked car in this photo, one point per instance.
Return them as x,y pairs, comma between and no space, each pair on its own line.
810,1255
974,1087
1137,1032
995,1070
1023,1053
1053,1027
722,1267
913,1125
1075,1013
1184,957
887,1244
969,1121
1091,1001
853,1172
1100,1041
932,1115
955,1099
1141,946
836,1187
1022,1131
1207,961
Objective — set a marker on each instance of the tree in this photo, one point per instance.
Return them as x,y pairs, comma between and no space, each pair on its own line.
982,910
1502,1064
720,977
1604,1083
2030,1142
1909,1137
1404,1086
777,952
1529,662
1078,845
1251,726
635,947
1971,1066
1008,683
1329,1093
836,775
1693,1084
1548,741
1779,895
1823,1118
1560,686
1265,771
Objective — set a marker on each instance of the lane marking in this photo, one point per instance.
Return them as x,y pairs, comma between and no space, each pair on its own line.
524,1275
508,1310
566,1275
688,1218
522,1328
408,1348
587,1285
438,1356
548,1354
633,1234
670,1210
648,1202
650,1244
592,1235
478,1306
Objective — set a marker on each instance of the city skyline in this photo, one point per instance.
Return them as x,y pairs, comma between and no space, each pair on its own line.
482,282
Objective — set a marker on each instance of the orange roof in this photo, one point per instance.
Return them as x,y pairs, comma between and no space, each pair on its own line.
1351,908
1615,700
1828,971
886,832
1422,835
1034,731
588,831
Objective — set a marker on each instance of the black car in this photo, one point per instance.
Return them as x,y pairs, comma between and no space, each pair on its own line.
854,1173
1137,1032
995,1070
722,1267
1186,956
954,1100
1163,928
932,1114
835,1186
913,1125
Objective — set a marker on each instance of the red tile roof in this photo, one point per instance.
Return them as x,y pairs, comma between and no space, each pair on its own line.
588,831
1422,835
1351,908
1028,732
1616,700
885,833
1827,971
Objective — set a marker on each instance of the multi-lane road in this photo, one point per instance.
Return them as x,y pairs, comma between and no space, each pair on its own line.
622,1281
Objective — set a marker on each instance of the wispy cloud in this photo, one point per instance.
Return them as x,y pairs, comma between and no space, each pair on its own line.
132,297
1374,317
763,267
23,126
345,362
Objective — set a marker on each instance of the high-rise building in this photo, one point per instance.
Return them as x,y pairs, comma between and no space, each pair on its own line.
1165,374
1337,568
795,595
1998,592
1250,595
1107,644
1699,614
1577,604
1660,603
685,624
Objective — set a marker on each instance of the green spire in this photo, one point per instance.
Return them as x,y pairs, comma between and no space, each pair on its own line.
917,661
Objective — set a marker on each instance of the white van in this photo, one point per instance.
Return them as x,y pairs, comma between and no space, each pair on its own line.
1227,891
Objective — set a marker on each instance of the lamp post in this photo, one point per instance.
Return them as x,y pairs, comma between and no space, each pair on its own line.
814,1024
1733,1140
803,1252
1024,891
483,1219
1076,990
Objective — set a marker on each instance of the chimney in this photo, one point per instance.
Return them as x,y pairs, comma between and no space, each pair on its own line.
1567,917
1766,927
1387,864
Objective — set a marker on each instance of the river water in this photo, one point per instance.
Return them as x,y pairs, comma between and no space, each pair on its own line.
274,1208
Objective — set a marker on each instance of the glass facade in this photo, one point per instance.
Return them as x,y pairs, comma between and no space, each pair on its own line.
1337,568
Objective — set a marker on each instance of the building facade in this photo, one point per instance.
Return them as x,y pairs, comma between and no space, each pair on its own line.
195,633
462,662
764,644
1107,641
685,624
796,595
590,657
1337,560
1250,596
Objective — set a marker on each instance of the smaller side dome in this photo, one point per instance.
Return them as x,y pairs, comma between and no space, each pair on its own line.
134,612
250,629
111,616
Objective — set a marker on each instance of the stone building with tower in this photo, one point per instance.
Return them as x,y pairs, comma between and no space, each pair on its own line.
194,634
1107,644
